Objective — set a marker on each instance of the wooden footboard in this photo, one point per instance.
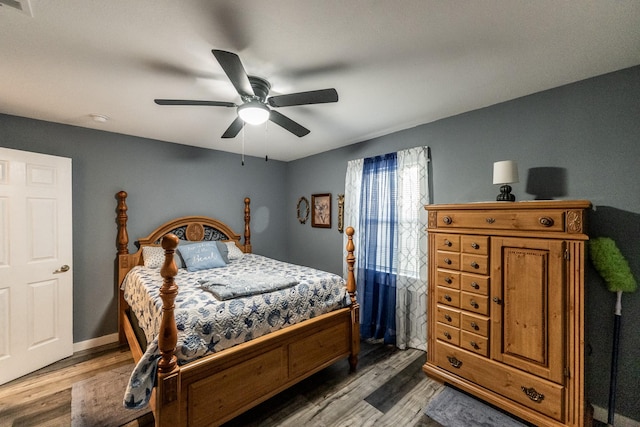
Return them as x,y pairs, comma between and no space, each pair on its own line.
221,386
218,387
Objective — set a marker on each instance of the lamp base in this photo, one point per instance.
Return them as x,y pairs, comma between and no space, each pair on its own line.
505,194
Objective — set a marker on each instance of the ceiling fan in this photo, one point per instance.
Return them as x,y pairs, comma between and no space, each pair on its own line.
256,107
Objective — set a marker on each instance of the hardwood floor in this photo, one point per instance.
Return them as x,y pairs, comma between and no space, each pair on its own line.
43,398
389,389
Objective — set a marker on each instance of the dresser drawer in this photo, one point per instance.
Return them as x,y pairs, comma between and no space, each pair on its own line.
450,279
550,220
473,302
475,244
448,242
474,283
475,263
476,324
448,260
474,343
546,397
448,334
448,316
448,296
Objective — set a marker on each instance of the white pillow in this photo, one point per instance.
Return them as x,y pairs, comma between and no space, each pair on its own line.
153,256
234,251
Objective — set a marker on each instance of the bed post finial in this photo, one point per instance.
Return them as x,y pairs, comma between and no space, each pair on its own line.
168,335
355,307
247,228
351,260
122,241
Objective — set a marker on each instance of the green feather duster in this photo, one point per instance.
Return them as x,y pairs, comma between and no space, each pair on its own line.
612,265
614,269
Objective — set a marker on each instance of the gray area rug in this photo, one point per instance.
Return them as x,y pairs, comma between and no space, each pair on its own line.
452,408
97,401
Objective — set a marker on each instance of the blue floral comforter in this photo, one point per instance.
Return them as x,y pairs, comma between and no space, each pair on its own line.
206,325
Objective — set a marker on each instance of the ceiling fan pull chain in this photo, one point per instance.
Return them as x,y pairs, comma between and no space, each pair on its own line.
266,140
242,145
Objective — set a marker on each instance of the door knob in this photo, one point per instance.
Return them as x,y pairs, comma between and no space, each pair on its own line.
62,269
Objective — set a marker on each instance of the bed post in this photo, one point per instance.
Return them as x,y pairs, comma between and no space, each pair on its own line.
355,308
122,241
122,244
167,393
247,228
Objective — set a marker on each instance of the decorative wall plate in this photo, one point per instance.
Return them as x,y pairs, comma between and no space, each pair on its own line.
303,209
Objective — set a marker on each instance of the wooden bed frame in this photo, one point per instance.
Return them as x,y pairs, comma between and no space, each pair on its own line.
218,387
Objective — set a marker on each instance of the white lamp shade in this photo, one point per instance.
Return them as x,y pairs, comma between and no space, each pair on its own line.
505,172
254,113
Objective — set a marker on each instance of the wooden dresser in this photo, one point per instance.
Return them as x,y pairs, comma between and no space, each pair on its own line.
505,305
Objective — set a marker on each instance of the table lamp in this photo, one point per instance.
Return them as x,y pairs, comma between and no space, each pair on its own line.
504,173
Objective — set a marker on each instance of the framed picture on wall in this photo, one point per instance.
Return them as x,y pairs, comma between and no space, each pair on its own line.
321,210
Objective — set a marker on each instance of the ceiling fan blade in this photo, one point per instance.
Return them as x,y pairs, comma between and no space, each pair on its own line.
230,63
233,129
304,98
189,102
288,124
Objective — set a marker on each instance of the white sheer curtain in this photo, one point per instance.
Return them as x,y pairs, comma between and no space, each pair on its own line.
411,296
411,281
352,189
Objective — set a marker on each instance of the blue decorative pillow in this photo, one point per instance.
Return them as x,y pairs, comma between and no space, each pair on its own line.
200,256
222,248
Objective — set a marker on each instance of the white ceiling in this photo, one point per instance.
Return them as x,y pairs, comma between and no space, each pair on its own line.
395,64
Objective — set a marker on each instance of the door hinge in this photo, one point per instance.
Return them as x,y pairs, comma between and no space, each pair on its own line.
567,373
567,255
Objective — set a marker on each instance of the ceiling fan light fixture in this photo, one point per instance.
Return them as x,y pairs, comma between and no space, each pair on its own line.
254,93
254,113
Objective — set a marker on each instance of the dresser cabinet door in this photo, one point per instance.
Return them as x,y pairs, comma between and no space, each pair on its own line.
528,297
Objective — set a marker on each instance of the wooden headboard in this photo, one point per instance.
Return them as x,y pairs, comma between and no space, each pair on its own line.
194,228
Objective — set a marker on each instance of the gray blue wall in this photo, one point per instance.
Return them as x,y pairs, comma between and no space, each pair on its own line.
164,181
589,131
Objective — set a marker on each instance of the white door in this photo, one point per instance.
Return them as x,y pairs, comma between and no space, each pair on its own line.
36,282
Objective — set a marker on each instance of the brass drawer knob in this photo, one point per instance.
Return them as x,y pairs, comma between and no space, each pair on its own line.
474,245
447,261
447,220
474,344
532,394
474,304
454,362
490,220
474,325
475,265
447,297
475,285
447,335
545,221
496,300
447,242
447,318
449,280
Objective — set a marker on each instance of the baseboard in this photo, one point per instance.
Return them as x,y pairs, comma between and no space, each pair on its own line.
97,342
601,414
